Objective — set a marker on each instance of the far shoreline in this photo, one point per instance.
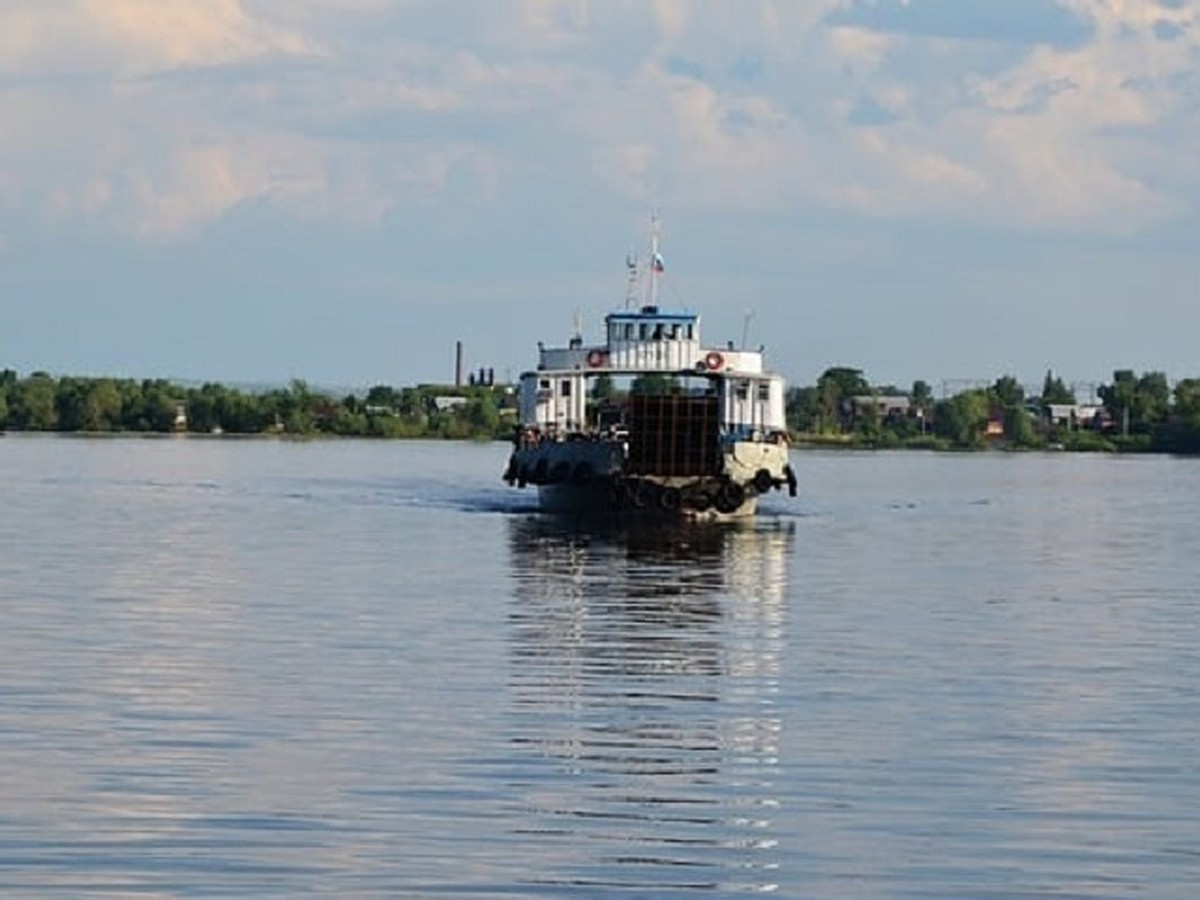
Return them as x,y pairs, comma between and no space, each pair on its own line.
804,443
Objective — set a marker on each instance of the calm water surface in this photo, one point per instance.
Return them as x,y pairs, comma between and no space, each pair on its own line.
259,668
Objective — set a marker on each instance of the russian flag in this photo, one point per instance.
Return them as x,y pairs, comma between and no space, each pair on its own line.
658,262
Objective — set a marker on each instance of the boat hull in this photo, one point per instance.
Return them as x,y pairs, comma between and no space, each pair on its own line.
594,477
597,500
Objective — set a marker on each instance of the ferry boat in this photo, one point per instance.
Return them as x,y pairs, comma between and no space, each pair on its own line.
652,421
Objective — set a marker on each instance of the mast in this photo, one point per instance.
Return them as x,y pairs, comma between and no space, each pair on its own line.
656,261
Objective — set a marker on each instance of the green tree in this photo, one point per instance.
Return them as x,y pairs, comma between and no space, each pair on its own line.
8,380
69,394
921,394
160,400
1054,391
298,408
1137,404
1119,398
653,383
1182,435
1008,392
867,424
962,418
603,387
803,413
1010,396
482,414
228,409
1154,399
1187,399
923,405
101,406
1018,427
413,406
32,403
347,422
383,395
202,409
836,386
244,414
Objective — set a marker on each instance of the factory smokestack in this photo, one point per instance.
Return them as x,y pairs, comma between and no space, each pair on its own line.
458,364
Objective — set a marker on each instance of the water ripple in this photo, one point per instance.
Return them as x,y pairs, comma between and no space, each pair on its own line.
367,669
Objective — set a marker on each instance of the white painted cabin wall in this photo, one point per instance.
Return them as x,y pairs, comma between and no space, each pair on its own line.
652,355
776,419
742,405
738,361
734,409
543,401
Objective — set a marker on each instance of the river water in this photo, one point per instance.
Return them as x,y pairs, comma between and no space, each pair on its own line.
265,668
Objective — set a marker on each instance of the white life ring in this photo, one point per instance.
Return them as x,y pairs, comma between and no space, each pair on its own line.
714,360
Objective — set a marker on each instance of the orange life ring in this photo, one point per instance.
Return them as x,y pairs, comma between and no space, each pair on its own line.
714,360
595,358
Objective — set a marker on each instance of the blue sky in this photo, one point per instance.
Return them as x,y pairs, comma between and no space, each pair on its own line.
255,190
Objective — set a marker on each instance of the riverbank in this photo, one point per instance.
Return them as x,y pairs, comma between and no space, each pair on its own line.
1084,443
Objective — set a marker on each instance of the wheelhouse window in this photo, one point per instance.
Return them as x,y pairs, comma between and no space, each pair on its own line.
565,390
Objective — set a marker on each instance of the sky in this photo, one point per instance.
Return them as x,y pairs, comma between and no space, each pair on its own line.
339,190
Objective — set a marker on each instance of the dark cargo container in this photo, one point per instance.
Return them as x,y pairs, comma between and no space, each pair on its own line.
674,434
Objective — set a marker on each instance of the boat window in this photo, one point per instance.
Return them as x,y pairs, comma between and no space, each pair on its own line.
629,331
741,390
675,332
544,384
658,332
644,332
689,332
764,391
566,388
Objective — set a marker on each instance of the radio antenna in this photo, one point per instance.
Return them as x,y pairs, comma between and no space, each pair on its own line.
746,327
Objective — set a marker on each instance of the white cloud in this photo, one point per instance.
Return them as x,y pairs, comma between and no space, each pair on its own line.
746,106
862,50
1066,127
124,37
169,33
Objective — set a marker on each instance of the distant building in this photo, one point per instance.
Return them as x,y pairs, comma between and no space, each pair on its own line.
1076,415
884,407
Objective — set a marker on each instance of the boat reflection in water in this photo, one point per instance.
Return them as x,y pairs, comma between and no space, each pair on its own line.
644,683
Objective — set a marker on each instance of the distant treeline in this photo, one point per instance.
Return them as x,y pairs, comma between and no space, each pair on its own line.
41,402
1132,413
